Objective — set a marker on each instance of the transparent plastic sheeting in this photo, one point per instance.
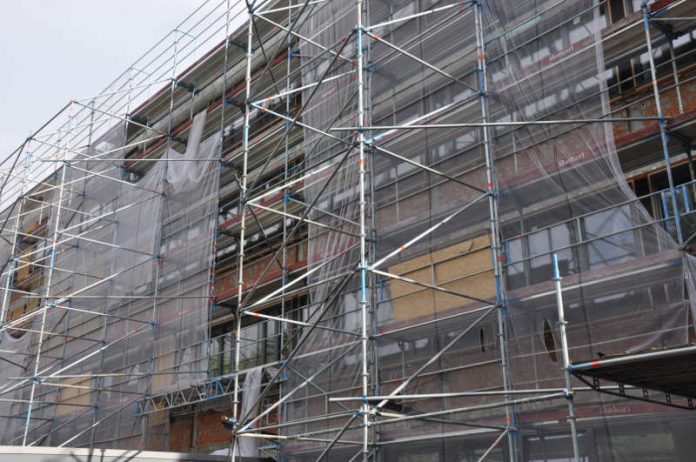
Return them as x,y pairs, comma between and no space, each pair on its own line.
332,358
132,269
251,389
561,190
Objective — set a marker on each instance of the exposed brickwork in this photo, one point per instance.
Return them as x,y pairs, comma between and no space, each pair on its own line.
210,434
181,434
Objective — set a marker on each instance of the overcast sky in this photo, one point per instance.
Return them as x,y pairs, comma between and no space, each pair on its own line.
52,51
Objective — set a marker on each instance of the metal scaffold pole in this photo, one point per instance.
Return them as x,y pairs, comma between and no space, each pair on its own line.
568,392
662,121
496,249
242,232
285,278
365,407
371,231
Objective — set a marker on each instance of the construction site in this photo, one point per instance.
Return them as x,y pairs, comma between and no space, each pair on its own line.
364,230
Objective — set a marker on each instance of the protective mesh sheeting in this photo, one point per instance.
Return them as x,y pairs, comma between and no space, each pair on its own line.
333,189
411,201
561,190
408,203
129,294
330,354
439,221
248,447
84,218
190,215
569,164
16,349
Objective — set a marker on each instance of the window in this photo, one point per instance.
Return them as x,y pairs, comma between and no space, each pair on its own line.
610,237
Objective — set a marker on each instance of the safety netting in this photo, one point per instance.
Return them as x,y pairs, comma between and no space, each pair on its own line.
329,355
560,189
519,92
126,286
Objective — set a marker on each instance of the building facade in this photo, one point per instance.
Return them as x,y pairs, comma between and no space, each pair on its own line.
377,230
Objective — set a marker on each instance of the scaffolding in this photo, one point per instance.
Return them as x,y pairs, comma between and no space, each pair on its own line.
360,145
409,218
107,277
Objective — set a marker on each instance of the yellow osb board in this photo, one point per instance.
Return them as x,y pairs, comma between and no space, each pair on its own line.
465,267
71,398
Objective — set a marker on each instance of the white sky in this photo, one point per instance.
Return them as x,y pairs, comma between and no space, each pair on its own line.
52,51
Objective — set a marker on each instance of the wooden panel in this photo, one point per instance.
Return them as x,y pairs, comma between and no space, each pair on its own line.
22,305
465,267
24,267
74,396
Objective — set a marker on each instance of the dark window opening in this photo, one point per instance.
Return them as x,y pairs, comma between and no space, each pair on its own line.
550,342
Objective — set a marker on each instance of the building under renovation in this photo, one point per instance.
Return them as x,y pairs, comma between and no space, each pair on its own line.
366,230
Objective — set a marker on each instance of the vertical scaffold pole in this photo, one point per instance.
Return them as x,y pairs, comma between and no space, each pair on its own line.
566,359
283,326
49,281
496,253
371,239
242,230
664,136
365,407
223,105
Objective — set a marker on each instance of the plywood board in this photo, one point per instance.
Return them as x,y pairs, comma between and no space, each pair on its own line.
465,267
